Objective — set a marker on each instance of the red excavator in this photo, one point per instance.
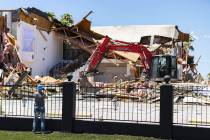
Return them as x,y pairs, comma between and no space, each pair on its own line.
155,66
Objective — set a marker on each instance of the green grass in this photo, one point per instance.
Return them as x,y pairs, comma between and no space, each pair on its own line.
14,135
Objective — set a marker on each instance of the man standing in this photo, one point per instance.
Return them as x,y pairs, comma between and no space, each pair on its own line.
39,108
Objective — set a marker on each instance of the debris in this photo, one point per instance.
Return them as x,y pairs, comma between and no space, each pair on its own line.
128,55
47,80
18,82
196,100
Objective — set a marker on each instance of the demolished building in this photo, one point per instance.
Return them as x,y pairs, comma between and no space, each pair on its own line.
50,48
43,41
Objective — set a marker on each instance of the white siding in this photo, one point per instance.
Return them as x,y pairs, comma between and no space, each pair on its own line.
45,53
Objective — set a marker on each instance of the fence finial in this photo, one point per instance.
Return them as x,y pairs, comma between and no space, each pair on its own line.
167,79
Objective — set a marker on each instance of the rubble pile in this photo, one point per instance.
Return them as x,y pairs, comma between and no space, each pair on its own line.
147,92
11,65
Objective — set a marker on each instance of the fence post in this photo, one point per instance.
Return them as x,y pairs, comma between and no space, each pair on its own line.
166,109
68,107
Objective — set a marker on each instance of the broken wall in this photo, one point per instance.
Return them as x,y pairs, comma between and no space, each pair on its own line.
43,51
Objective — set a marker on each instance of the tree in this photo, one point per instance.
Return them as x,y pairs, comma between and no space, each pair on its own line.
66,19
51,15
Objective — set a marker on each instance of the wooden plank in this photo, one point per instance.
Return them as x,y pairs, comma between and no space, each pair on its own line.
33,82
78,44
2,23
83,35
26,18
128,55
41,22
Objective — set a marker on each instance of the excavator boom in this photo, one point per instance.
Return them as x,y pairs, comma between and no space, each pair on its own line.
109,45
97,55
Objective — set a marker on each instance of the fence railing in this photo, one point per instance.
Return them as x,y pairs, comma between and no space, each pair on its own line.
115,103
191,105
118,103
20,103
162,112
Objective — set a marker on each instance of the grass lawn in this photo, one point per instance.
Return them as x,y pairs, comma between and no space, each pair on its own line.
14,135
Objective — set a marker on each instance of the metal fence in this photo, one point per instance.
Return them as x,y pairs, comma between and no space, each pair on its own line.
20,103
118,103
130,103
192,106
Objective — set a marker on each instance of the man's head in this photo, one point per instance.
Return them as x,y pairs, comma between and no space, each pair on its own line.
40,88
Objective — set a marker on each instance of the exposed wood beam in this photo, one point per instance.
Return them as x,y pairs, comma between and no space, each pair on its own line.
77,43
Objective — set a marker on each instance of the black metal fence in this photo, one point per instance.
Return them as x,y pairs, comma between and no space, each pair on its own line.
118,103
18,101
191,105
173,111
165,111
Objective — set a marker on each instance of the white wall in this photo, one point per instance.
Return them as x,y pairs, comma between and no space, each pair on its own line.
45,53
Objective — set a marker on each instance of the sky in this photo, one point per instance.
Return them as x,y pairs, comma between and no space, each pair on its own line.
191,16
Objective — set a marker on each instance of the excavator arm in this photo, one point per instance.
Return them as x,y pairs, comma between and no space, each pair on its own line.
98,55
109,45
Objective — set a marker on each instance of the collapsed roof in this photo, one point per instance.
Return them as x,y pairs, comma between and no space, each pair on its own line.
79,35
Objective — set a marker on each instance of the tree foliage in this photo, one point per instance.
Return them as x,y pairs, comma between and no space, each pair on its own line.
66,19
51,15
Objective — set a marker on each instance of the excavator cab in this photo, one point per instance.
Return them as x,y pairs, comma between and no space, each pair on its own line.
162,65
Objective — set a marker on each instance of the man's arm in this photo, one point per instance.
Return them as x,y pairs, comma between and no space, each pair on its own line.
44,95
